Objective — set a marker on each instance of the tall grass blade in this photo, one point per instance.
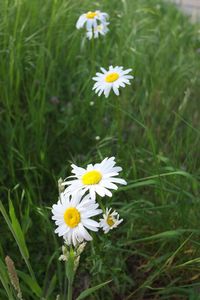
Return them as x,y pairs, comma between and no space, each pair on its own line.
91,290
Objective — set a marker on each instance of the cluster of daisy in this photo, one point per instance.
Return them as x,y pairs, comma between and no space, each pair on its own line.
77,203
77,211
95,23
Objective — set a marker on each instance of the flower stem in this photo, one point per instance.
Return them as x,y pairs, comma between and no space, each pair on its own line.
70,272
69,291
101,204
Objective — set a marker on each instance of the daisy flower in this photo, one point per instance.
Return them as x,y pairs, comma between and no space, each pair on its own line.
101,29
72,214
91,19
114,78
99,178
110,220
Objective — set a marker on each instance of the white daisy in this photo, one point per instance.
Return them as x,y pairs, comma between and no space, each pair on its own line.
91,19
72,214
101,29
98,178
110,220
114,78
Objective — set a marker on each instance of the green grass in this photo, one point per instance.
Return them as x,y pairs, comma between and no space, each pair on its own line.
152,128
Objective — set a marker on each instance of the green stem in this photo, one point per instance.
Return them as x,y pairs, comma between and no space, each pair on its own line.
69,291
93,57
101,204
70,273
119,120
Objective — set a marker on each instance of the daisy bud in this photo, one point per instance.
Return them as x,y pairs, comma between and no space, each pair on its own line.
60,185
76,263
80,248
65,254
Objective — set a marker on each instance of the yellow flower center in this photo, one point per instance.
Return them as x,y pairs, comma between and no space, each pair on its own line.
72,217
91,15
112,77
110,221
91,177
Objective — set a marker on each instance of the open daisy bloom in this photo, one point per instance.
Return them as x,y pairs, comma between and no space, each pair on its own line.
95,32
72,214
99,178
112,79
110,220
91,19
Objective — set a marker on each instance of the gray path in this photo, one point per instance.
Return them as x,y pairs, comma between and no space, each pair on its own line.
190,7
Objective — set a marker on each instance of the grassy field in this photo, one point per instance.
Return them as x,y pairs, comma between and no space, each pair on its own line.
47,122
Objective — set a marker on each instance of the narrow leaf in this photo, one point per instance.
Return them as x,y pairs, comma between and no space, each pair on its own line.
17,229
31,283
91,290
17,236
164,235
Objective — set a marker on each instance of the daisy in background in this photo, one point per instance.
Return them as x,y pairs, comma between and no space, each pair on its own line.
110,220
95,32
72,214
112,79
91,19
98,179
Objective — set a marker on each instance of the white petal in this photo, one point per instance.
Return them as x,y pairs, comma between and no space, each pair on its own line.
118,180
116,90
107,90
84,233
80,23
92,193
109,185
93,224
100,191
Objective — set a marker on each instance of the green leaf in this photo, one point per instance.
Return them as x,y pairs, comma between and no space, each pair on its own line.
17,233
51,286
139,184
17,229
31,283
164,235
70,266
91,290
152,180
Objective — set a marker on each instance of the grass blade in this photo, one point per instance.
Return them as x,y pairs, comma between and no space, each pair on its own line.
17,233
91,290
31,283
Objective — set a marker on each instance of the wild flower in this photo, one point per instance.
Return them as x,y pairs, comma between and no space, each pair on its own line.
110,220
72,214
98,179
101,29
91,19
95,23
112,79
